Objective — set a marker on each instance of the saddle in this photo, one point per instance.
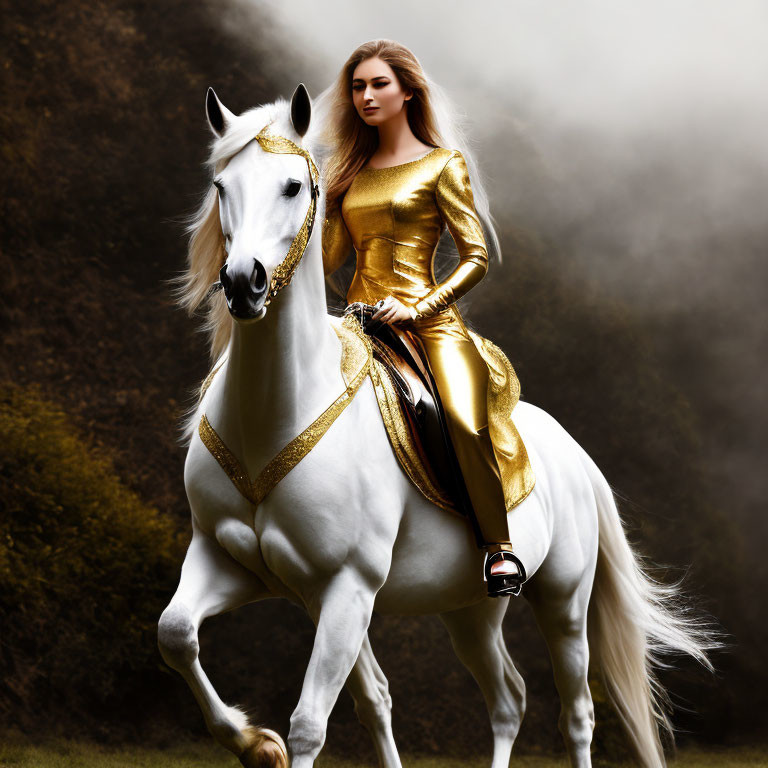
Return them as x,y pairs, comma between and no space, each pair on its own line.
400,360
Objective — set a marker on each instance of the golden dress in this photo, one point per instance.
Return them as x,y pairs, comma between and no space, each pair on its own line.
394,217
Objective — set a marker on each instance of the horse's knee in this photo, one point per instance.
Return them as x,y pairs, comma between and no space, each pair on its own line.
375,709
517,689
177,637
307,735
505,721
577,722
507,711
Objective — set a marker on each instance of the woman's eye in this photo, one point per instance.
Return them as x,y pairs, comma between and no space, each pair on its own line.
293,188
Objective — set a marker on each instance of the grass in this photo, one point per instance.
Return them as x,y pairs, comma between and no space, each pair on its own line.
19,752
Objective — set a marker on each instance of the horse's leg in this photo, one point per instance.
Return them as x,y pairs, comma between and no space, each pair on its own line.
341,610
562,617
478,641
373,704
211,582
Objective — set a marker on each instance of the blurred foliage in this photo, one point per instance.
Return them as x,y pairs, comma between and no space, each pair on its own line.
84,565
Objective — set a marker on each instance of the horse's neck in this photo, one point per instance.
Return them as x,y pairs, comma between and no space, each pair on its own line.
283,371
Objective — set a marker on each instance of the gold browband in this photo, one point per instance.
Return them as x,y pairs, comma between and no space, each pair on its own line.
284,271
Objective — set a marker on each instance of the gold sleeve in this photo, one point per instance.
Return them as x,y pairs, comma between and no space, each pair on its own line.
337,242
457,209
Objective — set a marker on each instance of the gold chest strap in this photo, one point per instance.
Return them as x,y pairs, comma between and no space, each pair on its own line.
356,360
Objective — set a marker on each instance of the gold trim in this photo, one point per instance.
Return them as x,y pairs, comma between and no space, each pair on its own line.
207,381
228,461
401,439
517,477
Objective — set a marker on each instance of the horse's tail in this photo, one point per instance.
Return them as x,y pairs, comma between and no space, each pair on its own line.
632,621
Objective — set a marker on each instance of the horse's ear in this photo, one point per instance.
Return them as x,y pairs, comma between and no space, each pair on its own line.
301,109
219,117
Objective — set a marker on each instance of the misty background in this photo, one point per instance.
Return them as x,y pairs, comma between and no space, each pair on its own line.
625,154
632,136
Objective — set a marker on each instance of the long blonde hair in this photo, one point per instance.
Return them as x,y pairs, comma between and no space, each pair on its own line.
347,142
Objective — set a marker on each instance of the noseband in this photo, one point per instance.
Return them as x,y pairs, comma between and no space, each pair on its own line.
284,271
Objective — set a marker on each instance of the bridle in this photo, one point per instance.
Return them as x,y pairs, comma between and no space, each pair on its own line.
284,271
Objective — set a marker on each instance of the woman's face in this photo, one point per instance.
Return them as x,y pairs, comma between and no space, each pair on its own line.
376,92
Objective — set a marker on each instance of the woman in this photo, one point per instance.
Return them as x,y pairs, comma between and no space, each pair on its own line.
394,178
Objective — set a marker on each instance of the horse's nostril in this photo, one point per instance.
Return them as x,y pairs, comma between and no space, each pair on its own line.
258,278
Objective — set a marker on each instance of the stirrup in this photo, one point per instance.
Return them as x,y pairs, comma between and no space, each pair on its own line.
503,585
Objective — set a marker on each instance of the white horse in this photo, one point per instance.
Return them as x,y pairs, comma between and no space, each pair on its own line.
346,532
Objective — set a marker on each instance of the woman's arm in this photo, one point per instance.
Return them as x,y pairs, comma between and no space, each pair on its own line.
337,242
457,209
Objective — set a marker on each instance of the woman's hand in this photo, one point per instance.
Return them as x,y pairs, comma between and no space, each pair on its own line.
391,310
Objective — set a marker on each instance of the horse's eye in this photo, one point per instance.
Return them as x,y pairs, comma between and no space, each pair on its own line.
293,188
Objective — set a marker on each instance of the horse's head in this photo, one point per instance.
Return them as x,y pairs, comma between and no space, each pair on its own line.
268,196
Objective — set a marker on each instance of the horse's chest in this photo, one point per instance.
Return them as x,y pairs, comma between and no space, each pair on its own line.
316,515
316,495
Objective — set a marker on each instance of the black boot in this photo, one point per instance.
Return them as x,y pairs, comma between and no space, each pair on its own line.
504,585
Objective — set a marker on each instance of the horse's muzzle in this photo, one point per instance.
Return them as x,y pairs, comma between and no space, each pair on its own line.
245,293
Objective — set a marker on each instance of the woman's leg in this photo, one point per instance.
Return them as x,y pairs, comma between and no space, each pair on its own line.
461,375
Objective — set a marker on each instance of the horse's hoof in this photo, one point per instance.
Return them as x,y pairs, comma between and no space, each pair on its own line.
266,749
